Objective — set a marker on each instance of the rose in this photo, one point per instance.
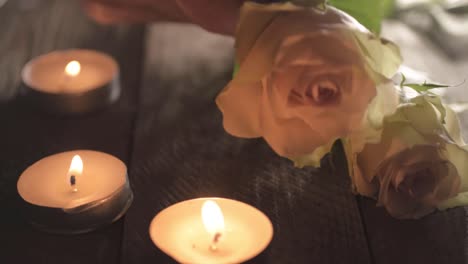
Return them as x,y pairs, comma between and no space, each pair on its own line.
303,80
414,181
419,163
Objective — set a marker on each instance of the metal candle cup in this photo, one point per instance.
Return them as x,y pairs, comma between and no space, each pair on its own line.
100,193
71,82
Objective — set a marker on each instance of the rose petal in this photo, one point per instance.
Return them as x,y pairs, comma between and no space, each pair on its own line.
422,182
262,29
339,120
383,104
449,185
399,204
322,45
240,105
314,159
382,55
458,156
402,206
419,157
363,185
385,177
281,83
423,117
288,137
452,124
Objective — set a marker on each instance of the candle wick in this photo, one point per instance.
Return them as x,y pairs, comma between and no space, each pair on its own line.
216,238
63,85
73,183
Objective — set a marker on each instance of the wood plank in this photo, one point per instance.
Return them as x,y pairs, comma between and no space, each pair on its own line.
439,238
27,135
181,152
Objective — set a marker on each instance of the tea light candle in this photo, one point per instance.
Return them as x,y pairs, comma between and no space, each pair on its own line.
71,81
211,231
75,191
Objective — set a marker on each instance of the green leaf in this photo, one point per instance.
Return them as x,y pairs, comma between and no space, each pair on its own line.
388,7
425,86
403,80
370,13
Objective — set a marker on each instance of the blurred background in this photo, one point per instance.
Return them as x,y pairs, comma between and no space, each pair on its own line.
432,35
433,39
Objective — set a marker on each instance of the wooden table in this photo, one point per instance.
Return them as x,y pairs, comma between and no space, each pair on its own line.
168,130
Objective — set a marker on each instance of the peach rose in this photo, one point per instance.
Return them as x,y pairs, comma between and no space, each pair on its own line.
416,180
303,80
418,165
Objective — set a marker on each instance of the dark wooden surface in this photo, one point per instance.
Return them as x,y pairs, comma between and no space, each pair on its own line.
28,135
167,129
182,152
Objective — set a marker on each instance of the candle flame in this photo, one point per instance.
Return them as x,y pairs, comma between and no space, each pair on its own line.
76,166
213,218
76,169
73,68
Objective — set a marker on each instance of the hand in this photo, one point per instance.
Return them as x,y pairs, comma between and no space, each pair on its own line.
218,16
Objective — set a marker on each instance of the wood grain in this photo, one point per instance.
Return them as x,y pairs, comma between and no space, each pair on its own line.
181,151
437,239
27,135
